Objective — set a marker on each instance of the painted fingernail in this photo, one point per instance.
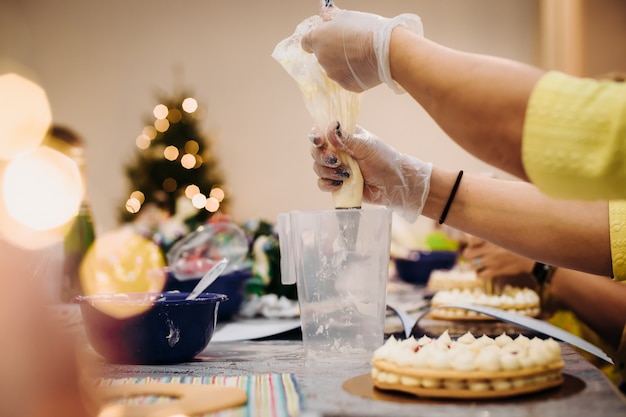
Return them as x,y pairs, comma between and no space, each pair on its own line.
338,130
342,172
331,160
316,140
336,182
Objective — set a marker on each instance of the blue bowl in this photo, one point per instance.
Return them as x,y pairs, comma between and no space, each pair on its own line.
168,330
416,268
233,285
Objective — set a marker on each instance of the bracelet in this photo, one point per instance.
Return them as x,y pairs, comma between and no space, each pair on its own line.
452,194
543,273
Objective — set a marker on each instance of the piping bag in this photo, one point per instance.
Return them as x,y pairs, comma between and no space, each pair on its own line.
327,102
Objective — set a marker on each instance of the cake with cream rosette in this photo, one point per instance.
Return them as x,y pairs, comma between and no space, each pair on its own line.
468,367
513,299
457,277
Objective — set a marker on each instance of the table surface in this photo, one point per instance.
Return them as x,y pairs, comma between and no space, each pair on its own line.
586,391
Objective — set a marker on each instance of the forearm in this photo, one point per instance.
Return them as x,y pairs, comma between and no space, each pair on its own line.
518,217
479,101
579,291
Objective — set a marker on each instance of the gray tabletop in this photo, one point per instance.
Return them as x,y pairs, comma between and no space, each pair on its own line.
585,392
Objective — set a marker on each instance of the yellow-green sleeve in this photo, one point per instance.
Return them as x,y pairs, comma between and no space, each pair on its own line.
617,225
574,138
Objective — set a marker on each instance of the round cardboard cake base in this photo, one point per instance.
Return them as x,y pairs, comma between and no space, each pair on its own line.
363,386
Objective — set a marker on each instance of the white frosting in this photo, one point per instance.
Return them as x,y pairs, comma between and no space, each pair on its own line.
468,353
520,300
447,279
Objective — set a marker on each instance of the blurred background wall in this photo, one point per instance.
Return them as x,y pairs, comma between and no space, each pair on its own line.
102,63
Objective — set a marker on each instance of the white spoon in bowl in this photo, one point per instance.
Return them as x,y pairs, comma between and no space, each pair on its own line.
208,278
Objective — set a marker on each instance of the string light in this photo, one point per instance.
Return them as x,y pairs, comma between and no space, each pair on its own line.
160,111
217,193
138,195
190,105
142,142
191,190
171,153
199,200
133,205
150,132
188,155
188,161
191,146
212,205
161,125
174,116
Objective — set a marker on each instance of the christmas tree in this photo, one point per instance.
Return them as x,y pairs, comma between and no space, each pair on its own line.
175,181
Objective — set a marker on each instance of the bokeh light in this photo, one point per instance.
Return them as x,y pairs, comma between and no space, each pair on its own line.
142,141
191,190
212,204
133,205
41,190
191,146
26,115
217,193
161,125
174,116
160,111
188,161
138,195
190,105
171,153
150,132
199,200
122,261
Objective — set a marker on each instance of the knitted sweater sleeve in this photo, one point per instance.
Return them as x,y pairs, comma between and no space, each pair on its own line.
574,138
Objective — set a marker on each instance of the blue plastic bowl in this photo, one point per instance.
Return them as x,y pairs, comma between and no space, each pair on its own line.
417,267
171,330
233,285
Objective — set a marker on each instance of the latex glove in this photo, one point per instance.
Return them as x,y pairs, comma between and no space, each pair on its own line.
353,47
398,181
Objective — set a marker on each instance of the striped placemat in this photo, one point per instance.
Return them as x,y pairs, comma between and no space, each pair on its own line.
269,395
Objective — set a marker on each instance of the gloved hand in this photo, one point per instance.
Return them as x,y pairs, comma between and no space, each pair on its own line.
353,47
398,181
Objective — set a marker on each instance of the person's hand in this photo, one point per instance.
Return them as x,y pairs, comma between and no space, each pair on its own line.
491,261
353,47
398,181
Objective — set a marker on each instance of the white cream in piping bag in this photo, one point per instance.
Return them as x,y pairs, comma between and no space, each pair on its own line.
326,101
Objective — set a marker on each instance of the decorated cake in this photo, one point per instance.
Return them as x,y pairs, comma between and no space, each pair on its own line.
467,367
448,279
513,299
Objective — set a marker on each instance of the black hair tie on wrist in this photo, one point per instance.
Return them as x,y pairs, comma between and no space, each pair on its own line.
452,194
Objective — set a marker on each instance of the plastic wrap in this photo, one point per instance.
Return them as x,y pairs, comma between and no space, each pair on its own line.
326,101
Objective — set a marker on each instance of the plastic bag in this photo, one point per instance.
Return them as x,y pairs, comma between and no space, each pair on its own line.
325,100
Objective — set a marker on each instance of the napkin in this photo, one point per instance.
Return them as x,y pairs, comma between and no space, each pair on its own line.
275,394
